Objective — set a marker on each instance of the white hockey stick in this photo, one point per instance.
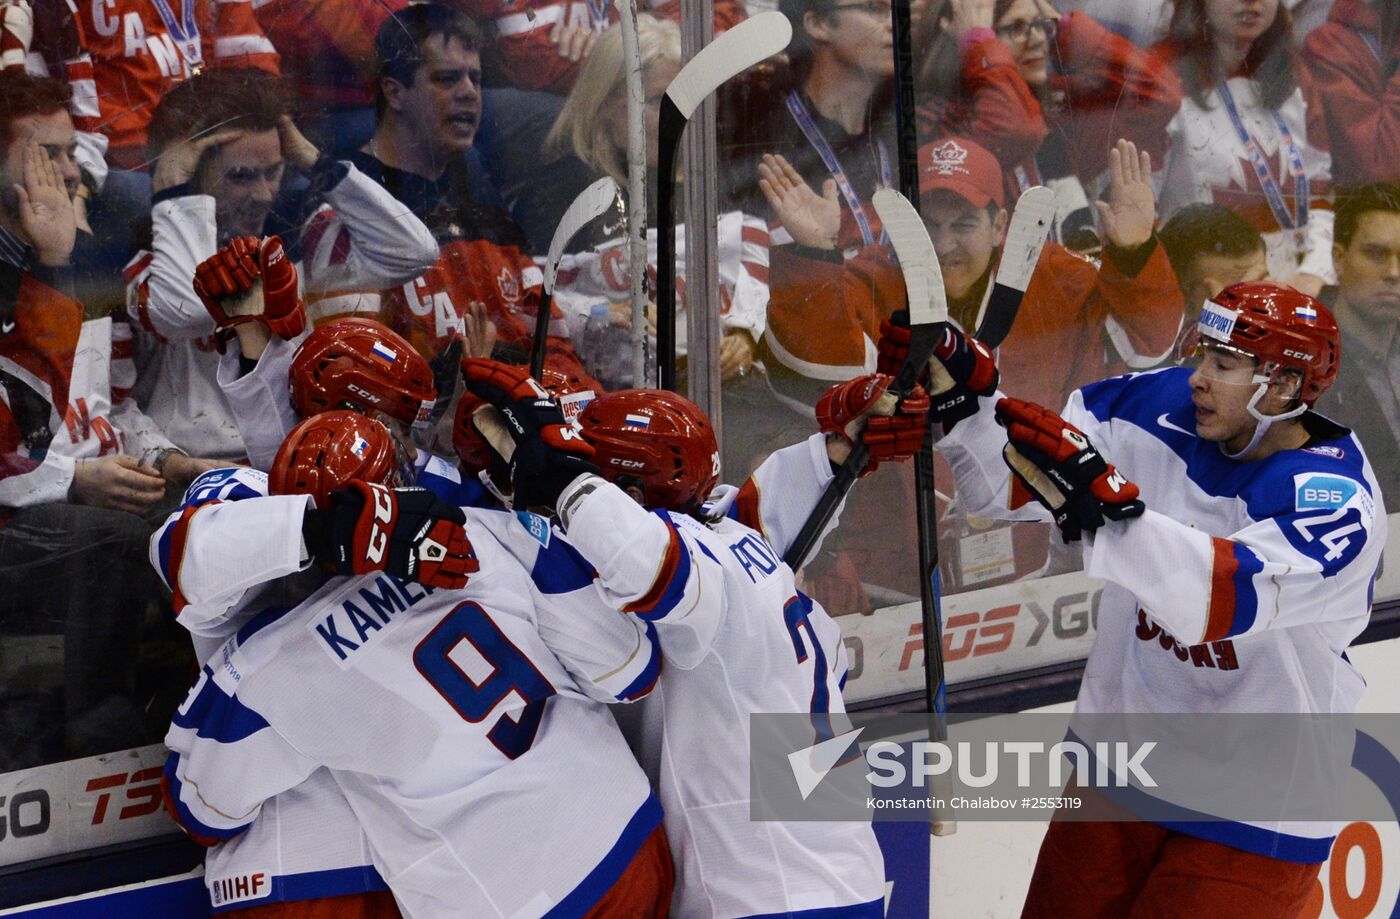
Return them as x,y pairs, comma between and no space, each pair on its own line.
754,40
590,204
1030,227
928,307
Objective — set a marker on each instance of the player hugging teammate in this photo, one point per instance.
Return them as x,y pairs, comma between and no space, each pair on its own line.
408,664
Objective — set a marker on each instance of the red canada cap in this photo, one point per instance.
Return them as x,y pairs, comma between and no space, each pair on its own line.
964,167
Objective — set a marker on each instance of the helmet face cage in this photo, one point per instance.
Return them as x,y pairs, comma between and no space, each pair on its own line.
1282,329
656,440
329,450
362,365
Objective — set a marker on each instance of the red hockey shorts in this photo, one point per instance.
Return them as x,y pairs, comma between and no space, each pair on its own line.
376,904
644,889
1093,870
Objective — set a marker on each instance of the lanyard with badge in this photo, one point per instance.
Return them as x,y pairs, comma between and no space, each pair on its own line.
1295,219
814,136
598,14
184,31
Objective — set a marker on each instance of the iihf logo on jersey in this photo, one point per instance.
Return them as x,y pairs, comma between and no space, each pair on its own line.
947,159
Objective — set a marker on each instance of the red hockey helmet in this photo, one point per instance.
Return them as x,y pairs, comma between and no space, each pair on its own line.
1281,328
328,450
571,392
361,364
658,440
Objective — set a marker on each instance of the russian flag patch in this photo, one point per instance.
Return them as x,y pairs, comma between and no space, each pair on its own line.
360,447
637,421
1304,312
384,353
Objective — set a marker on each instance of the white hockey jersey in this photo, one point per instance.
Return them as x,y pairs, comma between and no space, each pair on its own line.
1238,590
739,638
458,738
102,418
226,558
600,275
1207,163
361,237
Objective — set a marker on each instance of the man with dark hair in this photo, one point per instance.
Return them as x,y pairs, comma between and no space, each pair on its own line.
428,99
1210,248
1366,301
221,142
73,555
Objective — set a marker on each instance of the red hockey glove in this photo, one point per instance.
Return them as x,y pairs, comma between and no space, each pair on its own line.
407,532
549,452
16,34
961,369
1062,470
227,282
893,427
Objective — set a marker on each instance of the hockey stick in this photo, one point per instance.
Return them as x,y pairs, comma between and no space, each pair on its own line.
589,205
1030,227
928,307
750,42
636,184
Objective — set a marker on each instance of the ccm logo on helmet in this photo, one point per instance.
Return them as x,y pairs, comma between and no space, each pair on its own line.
368,396
627,463
1300,355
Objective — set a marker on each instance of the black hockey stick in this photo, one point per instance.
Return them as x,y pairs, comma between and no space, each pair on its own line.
590,204
754,40
925,508
1030,227
928,308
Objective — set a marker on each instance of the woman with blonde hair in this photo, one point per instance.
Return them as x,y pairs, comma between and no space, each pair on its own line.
593,286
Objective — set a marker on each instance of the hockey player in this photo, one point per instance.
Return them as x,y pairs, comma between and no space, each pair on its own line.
219,185
1239,569
741,636
452,807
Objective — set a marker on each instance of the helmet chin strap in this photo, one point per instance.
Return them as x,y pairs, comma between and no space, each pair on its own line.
1264,421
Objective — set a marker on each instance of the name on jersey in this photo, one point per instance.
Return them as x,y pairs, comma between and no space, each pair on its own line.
1217,655
756,556
353,624
252,885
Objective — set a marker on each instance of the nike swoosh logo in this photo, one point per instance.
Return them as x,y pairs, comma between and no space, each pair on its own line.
1162,420
811,764
7,328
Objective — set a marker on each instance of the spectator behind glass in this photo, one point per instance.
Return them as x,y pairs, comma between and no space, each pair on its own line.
1211,248
967,83
1241,140
1354,93
428,105
594,288
218,163
1366,302
72,553
1094,88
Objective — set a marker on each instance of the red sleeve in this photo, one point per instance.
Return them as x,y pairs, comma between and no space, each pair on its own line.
1147,308
1352,110
1114,89
232,37
1003,114
823,315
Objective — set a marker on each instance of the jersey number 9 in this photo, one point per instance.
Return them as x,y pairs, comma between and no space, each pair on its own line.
496,671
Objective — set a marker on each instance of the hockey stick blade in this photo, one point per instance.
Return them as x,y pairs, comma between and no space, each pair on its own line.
928,309
730,54
1025,240
590,204
750,42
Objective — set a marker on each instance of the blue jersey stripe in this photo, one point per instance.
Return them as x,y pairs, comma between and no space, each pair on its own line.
606,873
647,678
875,909
215,715
312,885
1246,598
